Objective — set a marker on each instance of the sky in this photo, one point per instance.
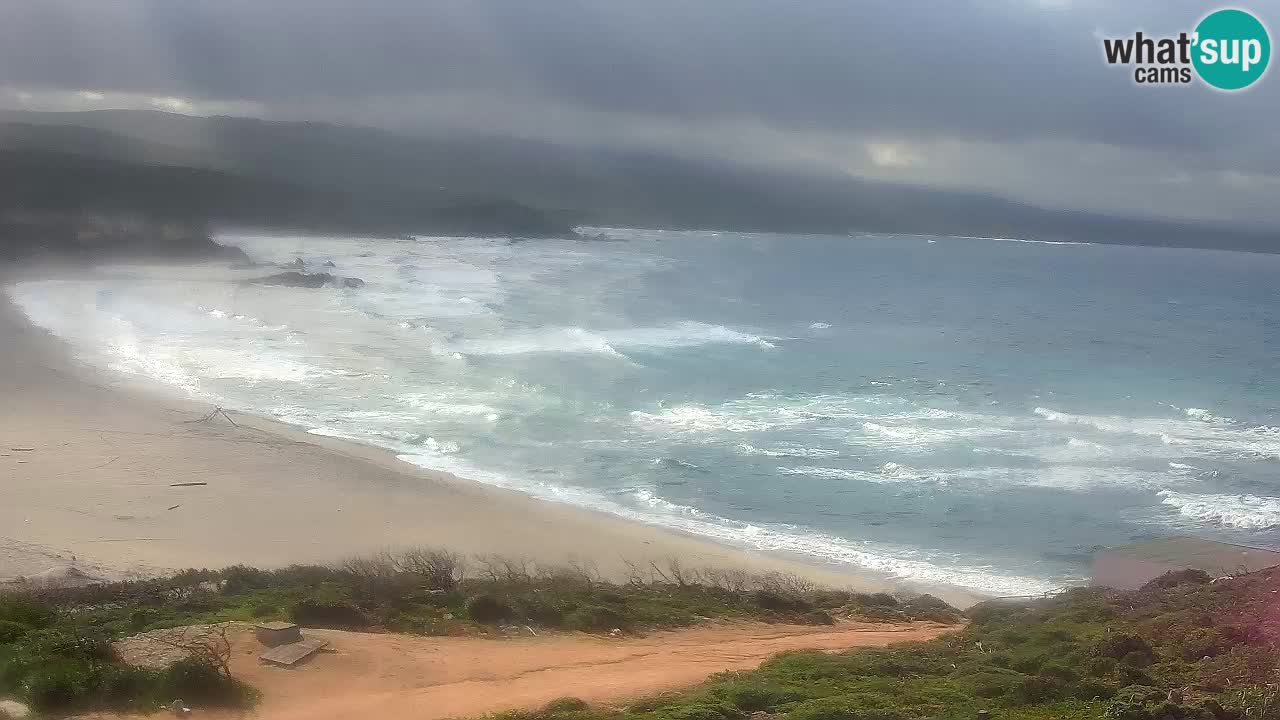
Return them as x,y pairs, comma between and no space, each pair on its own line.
1010,97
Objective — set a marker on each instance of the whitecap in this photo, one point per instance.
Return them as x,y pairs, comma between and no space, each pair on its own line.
1244,512
889,472
1206,434
798,451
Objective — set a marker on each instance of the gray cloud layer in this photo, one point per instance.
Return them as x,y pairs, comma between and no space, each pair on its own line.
1010,96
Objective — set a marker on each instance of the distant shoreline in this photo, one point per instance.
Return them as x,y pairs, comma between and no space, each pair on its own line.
98,487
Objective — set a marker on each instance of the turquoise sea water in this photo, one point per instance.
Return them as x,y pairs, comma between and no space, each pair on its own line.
971,411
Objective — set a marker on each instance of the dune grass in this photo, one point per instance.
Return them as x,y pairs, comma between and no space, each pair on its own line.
1180,648
56,652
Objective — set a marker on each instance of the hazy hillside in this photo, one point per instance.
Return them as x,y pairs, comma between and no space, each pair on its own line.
384,178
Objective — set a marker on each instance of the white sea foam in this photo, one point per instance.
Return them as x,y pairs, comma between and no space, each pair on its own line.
1203,434
798,451
692,418
889,472
886,422
1244,512
556,340
608,342
644,505
684,334
1022,240
906,435
829,473
1206,416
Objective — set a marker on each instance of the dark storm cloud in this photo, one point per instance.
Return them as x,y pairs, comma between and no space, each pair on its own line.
984,69
998,73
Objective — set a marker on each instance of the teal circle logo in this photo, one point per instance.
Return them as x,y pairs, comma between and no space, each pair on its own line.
1232,49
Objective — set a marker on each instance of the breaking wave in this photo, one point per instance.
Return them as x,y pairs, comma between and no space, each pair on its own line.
607,342
782,451
1203,433
1243,512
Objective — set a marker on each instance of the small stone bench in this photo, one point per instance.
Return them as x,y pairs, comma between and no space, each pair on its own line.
293,653
272,634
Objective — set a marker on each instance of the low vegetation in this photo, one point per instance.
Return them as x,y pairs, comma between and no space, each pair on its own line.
56,648
1182,648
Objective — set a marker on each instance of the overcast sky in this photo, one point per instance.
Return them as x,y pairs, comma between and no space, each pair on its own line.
1007,96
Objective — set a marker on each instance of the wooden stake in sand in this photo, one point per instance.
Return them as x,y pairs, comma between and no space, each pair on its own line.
217,410
188,484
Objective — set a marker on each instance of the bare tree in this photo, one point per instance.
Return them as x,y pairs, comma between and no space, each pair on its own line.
439,569
500,568
205,643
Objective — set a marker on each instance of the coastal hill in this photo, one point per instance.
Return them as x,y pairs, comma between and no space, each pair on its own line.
321,176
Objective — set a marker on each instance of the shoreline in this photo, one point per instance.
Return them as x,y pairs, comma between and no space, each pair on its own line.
96,490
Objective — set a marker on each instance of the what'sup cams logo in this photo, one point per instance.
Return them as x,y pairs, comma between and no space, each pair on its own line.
1228,50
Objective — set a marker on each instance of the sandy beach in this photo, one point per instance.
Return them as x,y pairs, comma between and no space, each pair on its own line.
97,471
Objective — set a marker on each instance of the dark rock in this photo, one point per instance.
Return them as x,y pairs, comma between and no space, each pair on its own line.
296,279
329,263
238,258
293,278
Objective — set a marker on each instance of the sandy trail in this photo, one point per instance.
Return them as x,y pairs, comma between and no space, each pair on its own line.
399,677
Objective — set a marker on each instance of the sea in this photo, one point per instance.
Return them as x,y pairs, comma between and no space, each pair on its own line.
977,412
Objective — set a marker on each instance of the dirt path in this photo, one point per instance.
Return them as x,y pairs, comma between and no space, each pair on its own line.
397,677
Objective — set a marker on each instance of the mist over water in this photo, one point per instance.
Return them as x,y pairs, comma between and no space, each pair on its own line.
965,411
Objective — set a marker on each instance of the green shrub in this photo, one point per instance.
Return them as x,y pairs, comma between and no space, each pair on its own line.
751,696
1029,664
318,612
1037,689
11,631
653,703
263,609
988,681
26,612
239,579
565,704
702,711
539,611
928,602
58,685
1174,578
875,600
995,612
1091,688
843,708
819,617
487,609
123,687
594,618
199,683
1058,669
1121,646
770,600
1201,643
832,598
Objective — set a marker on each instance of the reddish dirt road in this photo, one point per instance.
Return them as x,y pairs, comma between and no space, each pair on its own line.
397,677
